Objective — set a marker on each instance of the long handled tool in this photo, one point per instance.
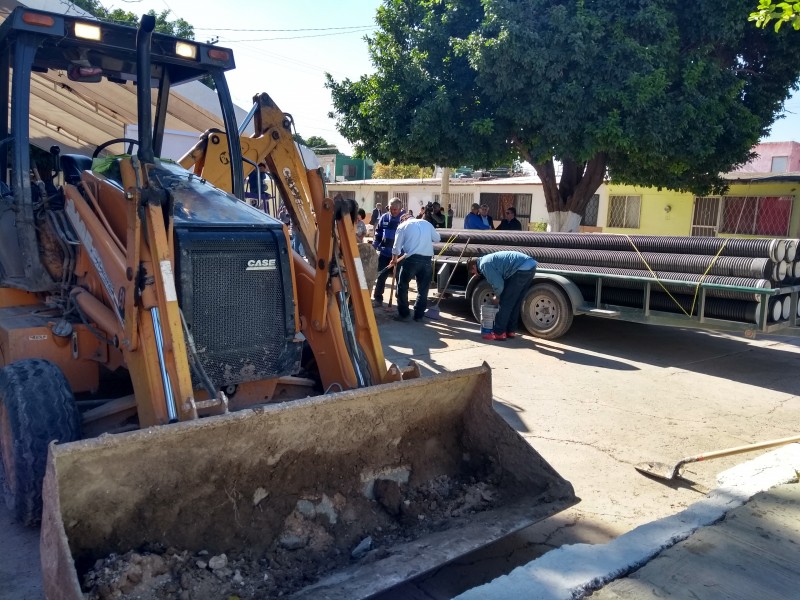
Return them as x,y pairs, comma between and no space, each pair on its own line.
388,307
664,471
433,311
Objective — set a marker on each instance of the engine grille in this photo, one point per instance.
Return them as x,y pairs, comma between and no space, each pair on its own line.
236,294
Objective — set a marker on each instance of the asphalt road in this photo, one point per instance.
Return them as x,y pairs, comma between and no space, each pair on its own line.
603,398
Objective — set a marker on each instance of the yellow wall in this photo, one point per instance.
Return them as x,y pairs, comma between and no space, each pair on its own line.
654,220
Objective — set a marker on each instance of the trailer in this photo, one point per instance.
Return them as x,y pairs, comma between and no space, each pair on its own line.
558,294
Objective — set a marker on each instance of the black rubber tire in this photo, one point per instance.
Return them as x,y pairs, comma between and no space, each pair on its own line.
482,294
546,311
36,407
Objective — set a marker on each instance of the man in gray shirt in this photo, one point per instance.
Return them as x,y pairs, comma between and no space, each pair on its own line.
414,239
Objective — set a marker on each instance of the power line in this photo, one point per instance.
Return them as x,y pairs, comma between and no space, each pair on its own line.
281,30
296,37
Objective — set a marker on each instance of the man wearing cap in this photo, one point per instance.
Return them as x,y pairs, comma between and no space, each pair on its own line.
414,240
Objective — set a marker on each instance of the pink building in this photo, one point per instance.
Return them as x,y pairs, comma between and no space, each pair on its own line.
774,157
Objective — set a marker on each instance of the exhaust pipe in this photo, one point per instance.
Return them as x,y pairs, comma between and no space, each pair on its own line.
143,37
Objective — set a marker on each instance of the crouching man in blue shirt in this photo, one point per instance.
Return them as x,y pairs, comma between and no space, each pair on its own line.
510,274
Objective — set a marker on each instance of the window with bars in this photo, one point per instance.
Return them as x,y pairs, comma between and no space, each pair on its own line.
403,197
592,209
624,211
381,198
756,215
462,202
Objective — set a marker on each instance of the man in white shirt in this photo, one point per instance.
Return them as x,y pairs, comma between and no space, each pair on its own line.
414,239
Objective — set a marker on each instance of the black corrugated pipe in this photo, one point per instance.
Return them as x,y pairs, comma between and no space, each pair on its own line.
715,308
689,287
774,249
726,266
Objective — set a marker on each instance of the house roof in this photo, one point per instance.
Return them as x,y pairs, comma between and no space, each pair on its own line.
454,183
740,176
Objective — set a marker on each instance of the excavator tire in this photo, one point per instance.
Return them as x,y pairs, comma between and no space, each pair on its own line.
36,407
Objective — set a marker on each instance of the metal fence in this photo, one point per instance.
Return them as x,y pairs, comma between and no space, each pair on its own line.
746,215
756,215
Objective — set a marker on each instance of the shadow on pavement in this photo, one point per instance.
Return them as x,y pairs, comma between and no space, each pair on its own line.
768,362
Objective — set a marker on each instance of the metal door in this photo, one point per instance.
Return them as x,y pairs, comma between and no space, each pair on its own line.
705,219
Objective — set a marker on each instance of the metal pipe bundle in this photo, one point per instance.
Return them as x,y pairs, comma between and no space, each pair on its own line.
691,280
726,266
772,248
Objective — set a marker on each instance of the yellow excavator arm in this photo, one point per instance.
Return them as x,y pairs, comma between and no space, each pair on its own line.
331,288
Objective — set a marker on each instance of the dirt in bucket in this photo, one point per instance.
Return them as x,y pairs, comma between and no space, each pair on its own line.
320,536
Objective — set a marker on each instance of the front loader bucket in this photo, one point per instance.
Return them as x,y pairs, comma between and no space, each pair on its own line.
349,467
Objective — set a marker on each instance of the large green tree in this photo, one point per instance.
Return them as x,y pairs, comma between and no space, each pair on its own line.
178,27
653,92
320,145
393,170
780,12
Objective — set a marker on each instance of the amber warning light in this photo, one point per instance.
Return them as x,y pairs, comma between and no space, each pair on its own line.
37,19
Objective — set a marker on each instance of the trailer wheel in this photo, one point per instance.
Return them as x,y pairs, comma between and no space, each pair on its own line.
482,294
546,311
36,407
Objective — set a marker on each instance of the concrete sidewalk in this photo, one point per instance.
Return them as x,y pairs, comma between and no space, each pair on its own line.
752,553
741,542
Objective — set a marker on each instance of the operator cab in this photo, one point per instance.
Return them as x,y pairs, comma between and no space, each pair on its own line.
71,81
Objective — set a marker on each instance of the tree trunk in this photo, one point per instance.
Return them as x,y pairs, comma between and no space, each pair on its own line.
566,199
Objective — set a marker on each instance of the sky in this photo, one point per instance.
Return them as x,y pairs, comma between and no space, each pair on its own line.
282,48
285,48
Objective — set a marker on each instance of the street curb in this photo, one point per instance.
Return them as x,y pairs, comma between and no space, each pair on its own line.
571,572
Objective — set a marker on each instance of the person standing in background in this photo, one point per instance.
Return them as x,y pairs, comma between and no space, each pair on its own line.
510,274
414,239
435,217
510,223
450,215
486,218
473,220
376,214
360,226
384,240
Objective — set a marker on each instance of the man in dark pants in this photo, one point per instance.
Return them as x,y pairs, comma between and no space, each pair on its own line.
414,239
510,274
384,240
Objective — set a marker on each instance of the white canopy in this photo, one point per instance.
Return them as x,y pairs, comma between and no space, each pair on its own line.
79,116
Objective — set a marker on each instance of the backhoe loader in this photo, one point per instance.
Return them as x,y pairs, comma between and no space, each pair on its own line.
174,375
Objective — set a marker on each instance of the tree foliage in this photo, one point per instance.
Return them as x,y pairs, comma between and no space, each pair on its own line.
654,92
179,27
393,170
320,145
780,12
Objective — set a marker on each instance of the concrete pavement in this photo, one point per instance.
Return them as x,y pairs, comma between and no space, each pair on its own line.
594,403
603,398
740,542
